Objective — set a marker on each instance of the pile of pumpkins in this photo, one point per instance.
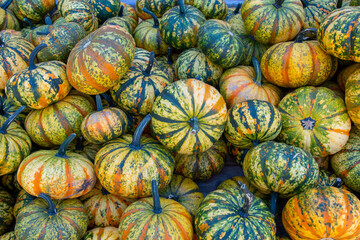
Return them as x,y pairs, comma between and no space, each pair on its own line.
109,115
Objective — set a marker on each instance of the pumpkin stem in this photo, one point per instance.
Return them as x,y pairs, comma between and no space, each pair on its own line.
121,12
79,144
104,191
6,4
109,100
273,202
301,35
249,199
48,20
194,124
99,105
339,4
46,32
156,198
33,55
32,26
52,209
305,3
182,7
258,75
6,124
308,123
63,147
156,20
337,183
170,60
54,9
135,144
237,9
150,64
278,3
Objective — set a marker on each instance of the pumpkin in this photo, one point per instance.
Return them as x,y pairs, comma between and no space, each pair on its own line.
9,182
58,219
220,43
39,85
168,65
204,165
119,22
179,26
71,173
15,52
108,233
106,9
34,10
36,35
6,211
188,116
84,148
7,18
147,35
99,60
243,83
156,218
328,179
314,119
333,86
322,213
192,63
104,209
8,236
234,213
352,92
15,144
158,7
316,11
338,36
104,124
7,108
212,9
128,11
273,21
138,89
125,166
23,199
344,74
251,122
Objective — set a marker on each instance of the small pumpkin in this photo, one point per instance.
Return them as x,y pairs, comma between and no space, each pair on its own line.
108,233
36,35
121,22
10,183
167,63
23,199
35,10
6,211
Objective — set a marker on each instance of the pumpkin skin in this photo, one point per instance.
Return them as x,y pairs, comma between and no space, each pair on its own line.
36,35
90,70
8,20
192,63
352,92
158,7
23,199
345,73
121,22
6,210
338,36
189,116
333,86
7,108
212,9
278,167
220,43
8,236
35,10
108,233
15,52
128,11
168,65
328,179
322,213
69,222
273,21
236,153
316,11
106,9
50,126
221,215
314,119
253,121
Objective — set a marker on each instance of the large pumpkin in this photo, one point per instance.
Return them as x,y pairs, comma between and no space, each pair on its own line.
6,211
188,116
35,10
352,93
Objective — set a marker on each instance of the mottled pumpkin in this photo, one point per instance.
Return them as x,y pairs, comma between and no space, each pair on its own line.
99,60
36,35
7,17
316,11
212,9
237,154
333,86
328,179
352,93
108,233
121,22
106,9
7,108
314,119
6,211
35,10
23,199
343,75
127,12
189,116
158,7
322,213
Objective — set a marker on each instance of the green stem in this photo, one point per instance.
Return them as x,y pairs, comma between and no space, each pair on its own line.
301,35
273,202
258,75
337,183
6,124
121,12
249,199
48,20
182,7
339,4
156,198
278,3
33,55
6,4
170,60
32,26
109,100
156,20
52,209
99,105
135,144
150,64
79,144
194,124
63,147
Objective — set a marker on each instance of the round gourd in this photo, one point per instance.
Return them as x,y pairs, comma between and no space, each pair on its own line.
158,7
108,233
273,21
156,218
44,218
99,60
36,35
121,22
23,199
7,108
71,173
316,11
106,9
322,213
212,9
125,166
35,10
352,93
251,122
189,116
7,17
6,211
314,119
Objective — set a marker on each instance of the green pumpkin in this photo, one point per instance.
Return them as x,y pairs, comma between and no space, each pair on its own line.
106,9
6,211
46,219
212,9
35,36
7,108
352,93
316,11
23,199
127,12
35,10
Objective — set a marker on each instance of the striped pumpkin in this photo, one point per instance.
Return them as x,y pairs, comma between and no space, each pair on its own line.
352,93
234,213
314,119
7,17
179,26
15,52
298,63
243,83
23,199
158,7
39,85
104,209
7,108
156,218
202,166
58,219
339,36
273,21
185,191
344,74
121,22
322,213
212,9
15,144
106,9
316,11
220,43
192,63
8,236
90,70
6,211
189,116
50,126
125,166
34,10
251,122
105,233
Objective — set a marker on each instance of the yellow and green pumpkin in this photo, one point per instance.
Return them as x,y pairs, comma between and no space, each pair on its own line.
23,199
34,10
212,9
316,11
352,93
106,9
7,17
121,22
6,211
108,233
158,7
7,108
